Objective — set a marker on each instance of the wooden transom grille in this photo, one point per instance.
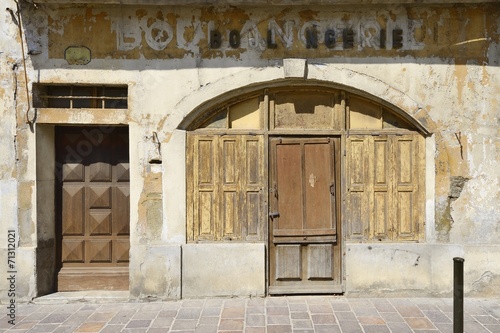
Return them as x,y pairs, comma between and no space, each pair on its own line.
80,96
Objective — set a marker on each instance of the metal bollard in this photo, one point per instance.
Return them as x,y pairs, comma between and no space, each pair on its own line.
458,295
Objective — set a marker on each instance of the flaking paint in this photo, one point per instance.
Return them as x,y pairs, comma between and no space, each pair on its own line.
173,33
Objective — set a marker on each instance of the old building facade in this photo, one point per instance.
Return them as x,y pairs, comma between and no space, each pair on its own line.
248,148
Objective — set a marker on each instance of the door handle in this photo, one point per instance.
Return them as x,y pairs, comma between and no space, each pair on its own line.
274,215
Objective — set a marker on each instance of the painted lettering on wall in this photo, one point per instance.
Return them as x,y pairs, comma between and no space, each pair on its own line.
334,33
229,32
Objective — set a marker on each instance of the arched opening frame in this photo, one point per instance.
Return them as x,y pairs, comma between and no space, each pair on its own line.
304,167
381,172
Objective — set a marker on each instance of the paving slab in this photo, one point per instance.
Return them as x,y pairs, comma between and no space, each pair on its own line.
299,314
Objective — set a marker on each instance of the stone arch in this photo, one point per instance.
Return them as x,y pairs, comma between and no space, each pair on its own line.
327,76
333,76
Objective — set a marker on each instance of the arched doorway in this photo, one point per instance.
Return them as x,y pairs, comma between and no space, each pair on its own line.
304,168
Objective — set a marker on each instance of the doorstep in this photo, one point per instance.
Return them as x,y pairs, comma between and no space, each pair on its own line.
87,296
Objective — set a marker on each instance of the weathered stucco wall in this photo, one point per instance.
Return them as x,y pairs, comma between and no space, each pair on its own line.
17,165
210,270
420,269
445,74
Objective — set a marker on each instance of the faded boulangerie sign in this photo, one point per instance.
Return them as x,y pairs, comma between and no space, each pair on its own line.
176,33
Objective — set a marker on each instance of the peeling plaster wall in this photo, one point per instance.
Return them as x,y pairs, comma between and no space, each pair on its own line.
17,165
446,76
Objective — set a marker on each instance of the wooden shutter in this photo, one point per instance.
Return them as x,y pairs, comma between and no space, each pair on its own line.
385,177
380,178
252,185
409,194
202,189
358,186
224,190
228,201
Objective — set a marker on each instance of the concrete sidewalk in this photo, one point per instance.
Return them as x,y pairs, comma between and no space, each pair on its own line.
273,314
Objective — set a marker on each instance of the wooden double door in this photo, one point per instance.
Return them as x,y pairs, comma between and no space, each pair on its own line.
304,232
93,208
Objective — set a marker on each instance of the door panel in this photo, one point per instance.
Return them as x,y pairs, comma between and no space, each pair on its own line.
318,172
93,208
289,178
289,265
304,250
320,265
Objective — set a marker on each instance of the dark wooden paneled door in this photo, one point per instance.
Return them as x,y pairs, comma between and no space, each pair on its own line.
304,235
93,208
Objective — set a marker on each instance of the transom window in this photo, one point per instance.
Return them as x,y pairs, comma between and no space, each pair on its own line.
80,96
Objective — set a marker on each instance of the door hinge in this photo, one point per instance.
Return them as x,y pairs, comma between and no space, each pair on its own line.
344,152
332,189
274,215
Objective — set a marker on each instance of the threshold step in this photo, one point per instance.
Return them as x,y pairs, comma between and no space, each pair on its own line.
88,296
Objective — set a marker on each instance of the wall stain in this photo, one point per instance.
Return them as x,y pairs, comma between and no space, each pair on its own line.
461,33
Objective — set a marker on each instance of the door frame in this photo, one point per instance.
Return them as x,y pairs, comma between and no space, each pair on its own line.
121,271
339,286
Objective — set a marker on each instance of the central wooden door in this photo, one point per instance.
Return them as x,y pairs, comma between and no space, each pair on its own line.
304,233
93,208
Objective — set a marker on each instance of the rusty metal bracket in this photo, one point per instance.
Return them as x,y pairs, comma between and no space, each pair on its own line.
157,158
